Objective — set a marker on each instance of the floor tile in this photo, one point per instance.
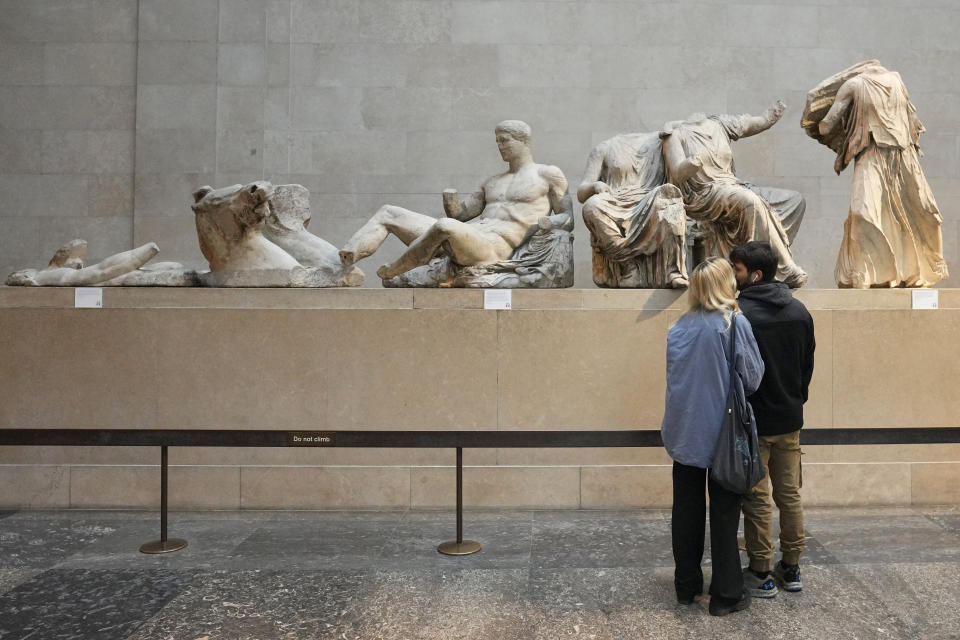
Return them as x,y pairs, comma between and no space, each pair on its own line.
89,604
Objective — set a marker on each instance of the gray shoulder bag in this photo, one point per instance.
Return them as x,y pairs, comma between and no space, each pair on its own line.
736,462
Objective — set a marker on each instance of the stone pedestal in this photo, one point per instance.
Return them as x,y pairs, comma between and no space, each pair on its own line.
433,359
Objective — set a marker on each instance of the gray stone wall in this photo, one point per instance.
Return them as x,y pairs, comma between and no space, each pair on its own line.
68,73
113,111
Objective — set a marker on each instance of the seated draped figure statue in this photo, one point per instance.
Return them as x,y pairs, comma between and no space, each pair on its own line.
727,211
637,221
486,229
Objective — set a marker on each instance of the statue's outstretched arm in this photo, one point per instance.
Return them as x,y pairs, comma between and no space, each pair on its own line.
119,263
112,267
753,125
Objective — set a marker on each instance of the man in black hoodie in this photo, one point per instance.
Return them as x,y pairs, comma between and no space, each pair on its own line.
784,332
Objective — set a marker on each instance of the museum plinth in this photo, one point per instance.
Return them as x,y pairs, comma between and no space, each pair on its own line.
338,359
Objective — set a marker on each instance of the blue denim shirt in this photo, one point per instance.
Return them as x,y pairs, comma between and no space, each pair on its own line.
698,380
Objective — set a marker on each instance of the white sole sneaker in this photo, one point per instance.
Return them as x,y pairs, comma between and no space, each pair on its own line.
759,587
793,585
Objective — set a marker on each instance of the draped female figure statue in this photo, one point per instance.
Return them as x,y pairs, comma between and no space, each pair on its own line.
892,236
728,212
637,222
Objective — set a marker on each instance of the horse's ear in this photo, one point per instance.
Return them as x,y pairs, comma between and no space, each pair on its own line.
201,192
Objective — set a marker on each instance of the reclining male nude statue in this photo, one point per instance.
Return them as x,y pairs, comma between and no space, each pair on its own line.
727,211
485,233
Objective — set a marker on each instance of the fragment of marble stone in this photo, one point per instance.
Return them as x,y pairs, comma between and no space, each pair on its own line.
157,274
892,236
286,226
726,211
255,236
513,232
637,220
127,268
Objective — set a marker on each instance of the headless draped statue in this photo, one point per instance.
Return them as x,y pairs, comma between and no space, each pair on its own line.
729,212
892,236
637,221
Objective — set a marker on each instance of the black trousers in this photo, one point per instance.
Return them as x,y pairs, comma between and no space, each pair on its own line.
689,516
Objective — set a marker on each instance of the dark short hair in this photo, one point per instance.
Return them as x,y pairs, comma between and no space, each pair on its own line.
756,256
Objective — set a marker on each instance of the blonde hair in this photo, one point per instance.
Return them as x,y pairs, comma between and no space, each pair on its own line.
713,287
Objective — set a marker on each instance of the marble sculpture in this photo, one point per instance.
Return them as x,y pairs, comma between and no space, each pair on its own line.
636,219
255,236
252,236
514,232
892,236
726,210
128,268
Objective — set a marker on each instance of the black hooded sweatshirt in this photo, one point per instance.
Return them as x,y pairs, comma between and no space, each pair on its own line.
784,332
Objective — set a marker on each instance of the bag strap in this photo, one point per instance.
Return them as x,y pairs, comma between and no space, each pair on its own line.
733,343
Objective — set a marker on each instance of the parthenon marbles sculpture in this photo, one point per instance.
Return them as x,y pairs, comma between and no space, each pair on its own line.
252,236
513,232
636,219
127,268
255,236
727,211
892,236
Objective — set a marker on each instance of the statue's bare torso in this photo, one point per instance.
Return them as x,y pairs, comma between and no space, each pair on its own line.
514,203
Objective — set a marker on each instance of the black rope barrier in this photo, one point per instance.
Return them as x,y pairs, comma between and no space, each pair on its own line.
434,439
458,440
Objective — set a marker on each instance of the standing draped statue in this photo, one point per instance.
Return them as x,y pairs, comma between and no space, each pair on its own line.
637,222
892,235
729,212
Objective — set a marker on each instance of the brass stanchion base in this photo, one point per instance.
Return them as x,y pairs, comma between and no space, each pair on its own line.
464,548
163,546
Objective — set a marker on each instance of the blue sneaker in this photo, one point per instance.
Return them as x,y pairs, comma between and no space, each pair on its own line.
788,576
759,585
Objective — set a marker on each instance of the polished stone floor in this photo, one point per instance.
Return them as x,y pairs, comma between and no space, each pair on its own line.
868,573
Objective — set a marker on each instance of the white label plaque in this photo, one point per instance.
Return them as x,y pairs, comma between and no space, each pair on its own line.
497,298
925,298
88,298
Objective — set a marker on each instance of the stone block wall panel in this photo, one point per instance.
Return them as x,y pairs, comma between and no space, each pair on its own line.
428,359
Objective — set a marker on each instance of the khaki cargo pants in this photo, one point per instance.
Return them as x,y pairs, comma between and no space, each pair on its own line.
781,457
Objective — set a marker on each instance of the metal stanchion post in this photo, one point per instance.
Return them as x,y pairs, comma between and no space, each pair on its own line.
163,545
459,547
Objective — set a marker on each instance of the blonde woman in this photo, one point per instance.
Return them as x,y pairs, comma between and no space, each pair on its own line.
698,362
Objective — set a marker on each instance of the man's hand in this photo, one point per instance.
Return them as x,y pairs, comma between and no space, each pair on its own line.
601,187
